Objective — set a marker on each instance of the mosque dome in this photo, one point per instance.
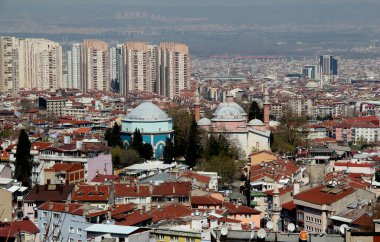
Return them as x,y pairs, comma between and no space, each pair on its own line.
204,122
232,104
147,111
256,122
228,112
312,84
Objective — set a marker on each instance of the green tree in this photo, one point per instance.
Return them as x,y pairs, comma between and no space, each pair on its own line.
129,157
116,156
168,154
182,120
255,112
224,165
147,151
24,160
290,134
113,136
137,141
193,149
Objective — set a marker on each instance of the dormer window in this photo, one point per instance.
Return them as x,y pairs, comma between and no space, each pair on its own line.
101,193
91,193
80,194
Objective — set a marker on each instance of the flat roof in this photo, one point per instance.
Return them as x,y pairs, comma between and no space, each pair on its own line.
111,228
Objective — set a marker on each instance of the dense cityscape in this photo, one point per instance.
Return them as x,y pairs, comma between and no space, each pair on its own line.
134,133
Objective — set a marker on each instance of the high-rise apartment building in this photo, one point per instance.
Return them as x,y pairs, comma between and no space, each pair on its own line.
10,69
94,60
137,67
74,67
328,65
174,69
30,63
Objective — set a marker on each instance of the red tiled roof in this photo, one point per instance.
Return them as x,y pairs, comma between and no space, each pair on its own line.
289,206
12,229
67,167
316,196
91,193
82,130
194,175
205,200
42,193
236,209
135,218
172,189
125,190
354,164
122,209
102,178
37,145
170,211
72,208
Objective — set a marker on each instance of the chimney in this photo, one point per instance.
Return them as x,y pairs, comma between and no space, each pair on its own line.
150,188
138,188
66,207
173,188
50,206
109,214
96,187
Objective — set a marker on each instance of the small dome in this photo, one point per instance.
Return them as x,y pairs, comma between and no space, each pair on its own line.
256,122
147,111
204,122
227,112
312,84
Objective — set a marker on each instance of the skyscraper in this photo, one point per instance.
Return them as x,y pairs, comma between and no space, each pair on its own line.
137,68
310,71
94,60
74,67
30,63
328,65
174,69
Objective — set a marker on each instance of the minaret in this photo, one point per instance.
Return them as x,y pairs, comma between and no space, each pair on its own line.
197,107
276,207
266,106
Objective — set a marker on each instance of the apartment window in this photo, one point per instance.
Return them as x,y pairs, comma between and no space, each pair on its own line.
173,238
71,230
190,240
71,240
45,225
56,215
44,214
79,231
300,216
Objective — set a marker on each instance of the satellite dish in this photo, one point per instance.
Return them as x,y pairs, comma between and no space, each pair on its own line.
269,225
252,225
261,233
224,231
291,227
343,228
252,234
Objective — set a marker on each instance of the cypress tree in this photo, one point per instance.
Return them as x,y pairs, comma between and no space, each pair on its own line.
24,162
168,153
255,112
193,149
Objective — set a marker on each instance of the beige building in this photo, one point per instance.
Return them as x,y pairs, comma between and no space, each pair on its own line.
139,67
30,63
95,65
174,69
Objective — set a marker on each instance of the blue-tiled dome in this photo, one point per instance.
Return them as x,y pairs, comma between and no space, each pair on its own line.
147,111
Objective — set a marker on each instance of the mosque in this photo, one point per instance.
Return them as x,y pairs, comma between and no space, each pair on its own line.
154,124
231,120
